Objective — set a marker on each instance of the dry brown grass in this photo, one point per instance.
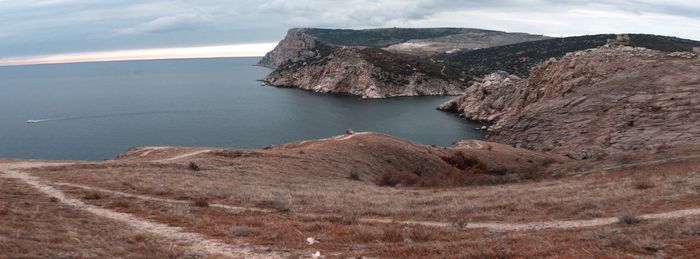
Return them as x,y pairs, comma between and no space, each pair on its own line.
33,226
293,186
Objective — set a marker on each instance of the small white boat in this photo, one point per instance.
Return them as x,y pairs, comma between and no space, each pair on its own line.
33,121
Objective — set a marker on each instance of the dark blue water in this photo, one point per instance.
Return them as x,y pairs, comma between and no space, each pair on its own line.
97,110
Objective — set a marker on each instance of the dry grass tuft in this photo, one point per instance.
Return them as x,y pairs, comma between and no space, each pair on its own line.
278,204
193,166
396,178
93,196
354,176
392,235
240,231
200,202
643,184
461,161
629,220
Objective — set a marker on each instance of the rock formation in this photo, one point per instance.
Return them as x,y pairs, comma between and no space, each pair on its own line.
377,63
590,103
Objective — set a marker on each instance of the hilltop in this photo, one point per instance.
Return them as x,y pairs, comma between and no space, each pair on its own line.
383,63
376,63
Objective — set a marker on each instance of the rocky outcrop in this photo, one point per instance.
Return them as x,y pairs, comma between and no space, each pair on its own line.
487,99
591,103
369,73
296,46
468,39
357,62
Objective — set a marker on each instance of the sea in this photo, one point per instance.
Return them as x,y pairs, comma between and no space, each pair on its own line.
94,111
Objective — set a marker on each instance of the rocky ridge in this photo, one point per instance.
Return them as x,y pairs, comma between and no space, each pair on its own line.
592,103
376,63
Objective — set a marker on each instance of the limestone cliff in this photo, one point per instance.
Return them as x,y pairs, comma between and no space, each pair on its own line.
374,63
369,73
591,103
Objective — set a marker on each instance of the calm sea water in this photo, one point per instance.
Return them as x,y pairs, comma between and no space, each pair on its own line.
91,111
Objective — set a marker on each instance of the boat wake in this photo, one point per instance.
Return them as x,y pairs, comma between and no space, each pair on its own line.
122,114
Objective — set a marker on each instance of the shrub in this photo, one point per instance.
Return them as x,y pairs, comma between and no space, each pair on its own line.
419,233
460,161
394,178
354,176
643,184
629,219
240,231
193,166
392,234
200,202
625,159
387,180
92,196
278,204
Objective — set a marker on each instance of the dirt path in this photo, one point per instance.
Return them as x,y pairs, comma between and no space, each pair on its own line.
634,165
175,234
555,224
186,155
234,209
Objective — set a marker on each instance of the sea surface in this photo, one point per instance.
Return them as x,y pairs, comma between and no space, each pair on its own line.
93,111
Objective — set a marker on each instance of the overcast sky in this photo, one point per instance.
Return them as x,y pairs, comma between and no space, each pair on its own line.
41,27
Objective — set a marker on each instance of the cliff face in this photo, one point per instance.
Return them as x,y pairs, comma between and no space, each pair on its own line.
297,45
370,73
592,103
356,61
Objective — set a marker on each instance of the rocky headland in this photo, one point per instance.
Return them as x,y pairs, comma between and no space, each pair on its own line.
377,63
592,103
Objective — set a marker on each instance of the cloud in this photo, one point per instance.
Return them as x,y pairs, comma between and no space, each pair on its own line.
239,50
167,23
34,27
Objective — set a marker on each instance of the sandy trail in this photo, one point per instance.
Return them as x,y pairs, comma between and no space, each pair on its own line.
646,163
148,150
235,209
182,156
555,224
194,241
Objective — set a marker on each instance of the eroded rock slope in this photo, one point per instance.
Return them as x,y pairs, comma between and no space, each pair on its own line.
592,103
377,63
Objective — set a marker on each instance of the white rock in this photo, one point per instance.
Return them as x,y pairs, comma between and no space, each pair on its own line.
311,240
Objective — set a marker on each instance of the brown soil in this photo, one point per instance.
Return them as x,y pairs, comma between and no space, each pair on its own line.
271,200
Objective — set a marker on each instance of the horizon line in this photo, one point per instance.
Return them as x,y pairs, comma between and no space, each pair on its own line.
215,51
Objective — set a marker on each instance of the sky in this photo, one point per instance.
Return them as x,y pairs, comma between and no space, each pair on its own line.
54,31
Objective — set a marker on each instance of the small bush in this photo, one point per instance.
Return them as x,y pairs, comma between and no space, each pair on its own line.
278,204
93,196
139,238
200,202
461,162
625,159
349,220
629,220
643,184
387,180
419,233
396,178
354,176
240,231
193,166
120,204
392,234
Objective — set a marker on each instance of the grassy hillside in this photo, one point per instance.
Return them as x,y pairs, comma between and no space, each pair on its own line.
520,58
379,38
